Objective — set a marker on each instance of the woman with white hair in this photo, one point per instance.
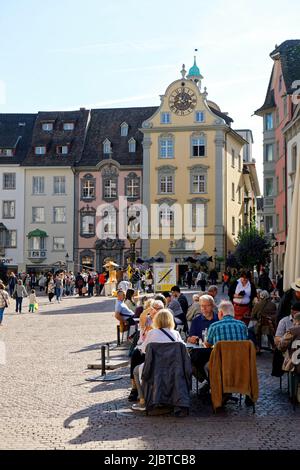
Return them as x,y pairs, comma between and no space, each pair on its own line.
264,313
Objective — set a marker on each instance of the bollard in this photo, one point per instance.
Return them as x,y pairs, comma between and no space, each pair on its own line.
103,360
118,335
108,345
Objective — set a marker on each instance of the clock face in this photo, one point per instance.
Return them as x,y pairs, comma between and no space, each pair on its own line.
182,101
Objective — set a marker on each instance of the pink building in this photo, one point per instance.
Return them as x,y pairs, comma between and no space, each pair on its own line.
277,111
110,167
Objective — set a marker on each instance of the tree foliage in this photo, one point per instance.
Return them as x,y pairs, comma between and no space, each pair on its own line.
253,248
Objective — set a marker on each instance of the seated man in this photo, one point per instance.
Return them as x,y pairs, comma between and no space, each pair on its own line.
122,312
174,306
286,345
203,321
193,310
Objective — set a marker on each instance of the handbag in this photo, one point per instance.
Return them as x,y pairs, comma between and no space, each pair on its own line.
5,301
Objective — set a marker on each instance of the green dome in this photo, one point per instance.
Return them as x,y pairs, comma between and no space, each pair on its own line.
194,71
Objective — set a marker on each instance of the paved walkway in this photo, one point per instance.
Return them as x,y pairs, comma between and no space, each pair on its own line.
45,402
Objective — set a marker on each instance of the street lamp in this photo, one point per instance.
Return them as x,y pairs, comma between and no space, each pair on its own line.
215,257
133,235
67,261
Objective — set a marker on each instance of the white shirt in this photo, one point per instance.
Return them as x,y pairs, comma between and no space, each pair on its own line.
247,289
158,336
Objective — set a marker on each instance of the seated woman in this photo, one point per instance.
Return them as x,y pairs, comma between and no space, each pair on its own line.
130,300
146,324
163,332
264,314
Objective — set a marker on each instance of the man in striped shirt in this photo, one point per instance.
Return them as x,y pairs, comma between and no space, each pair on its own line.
227,329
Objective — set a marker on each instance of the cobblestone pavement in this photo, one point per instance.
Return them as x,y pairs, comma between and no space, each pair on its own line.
45,402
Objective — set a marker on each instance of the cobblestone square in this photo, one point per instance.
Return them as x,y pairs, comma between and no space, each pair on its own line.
46,403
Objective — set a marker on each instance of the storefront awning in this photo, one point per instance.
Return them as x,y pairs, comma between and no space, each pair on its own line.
37,233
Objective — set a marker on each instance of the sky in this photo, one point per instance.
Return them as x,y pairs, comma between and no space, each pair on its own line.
67,54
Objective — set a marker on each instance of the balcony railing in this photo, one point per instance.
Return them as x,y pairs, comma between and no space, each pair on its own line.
37,254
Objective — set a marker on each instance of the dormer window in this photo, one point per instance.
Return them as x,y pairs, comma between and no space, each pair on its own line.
199,116
47,126
165,118
132,145
40,150
62,149
69,126
107,146
6,152
124,129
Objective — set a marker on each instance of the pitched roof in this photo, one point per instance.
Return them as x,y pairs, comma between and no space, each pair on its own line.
58,137
105,124
289,55
224,116
16,133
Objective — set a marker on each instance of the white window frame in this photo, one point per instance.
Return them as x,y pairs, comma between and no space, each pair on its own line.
41,218
87,224
200,116
47,126
62,149
132,185
6,153
10,238
59,182
63,212
107,147
11,179
110,188
89,187
166,184
166,147
68,126
132,146
166,217
57,248
198,146
40,150
38,185
200,180
11,213
124,129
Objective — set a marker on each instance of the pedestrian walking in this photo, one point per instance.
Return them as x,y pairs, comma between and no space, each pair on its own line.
32,301
51,288
19,293
4,301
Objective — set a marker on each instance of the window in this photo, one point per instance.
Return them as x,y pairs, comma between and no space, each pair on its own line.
6,152
38,184
199,184
165,118
37,243
269,187
110,188
106,146
198,146
87,262
62,149
41,150
58,243
240,163
232,158
88,189
59,185
59,215
166,217
269,121
11,239
199,116
280,83
38,214
47,126
199,214
68,126
232,192
239,195
110,223
233,225
132,146
88,225
268,223
9,180
124,129
9,209
166,184
269,152
166,147
132,188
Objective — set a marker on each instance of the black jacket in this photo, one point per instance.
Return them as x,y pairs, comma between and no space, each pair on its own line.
284,309
184,303
167,375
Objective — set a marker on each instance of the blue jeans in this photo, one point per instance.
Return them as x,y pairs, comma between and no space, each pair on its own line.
58,293
1,314
19,301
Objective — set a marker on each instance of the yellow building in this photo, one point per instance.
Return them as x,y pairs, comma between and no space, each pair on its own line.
192,157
